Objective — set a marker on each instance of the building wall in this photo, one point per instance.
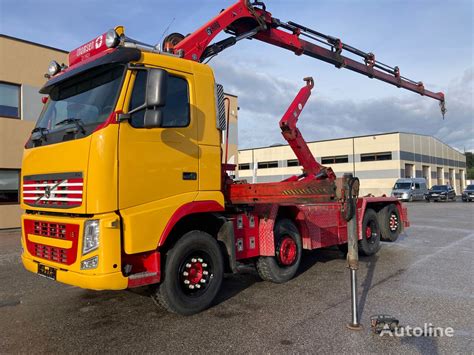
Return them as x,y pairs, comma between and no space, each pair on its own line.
377,177
23,64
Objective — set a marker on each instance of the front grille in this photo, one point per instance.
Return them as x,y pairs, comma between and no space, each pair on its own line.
51,253
63,231
54,190
53,230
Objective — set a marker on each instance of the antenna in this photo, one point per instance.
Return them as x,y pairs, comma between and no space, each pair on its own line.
164,32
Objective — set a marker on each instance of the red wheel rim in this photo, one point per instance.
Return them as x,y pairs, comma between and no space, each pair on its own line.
195,273
287,251
393,222
368,232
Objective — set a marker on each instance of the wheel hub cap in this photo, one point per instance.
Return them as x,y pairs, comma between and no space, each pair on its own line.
195,274
287,251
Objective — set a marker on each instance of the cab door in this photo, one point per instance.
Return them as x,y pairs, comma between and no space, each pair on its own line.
158,163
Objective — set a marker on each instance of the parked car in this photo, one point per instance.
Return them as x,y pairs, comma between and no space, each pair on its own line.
410,189
468,193
441,193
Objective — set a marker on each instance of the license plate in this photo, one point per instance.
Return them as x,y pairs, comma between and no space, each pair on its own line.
47,271
435,195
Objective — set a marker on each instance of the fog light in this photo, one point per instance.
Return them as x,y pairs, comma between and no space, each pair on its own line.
112,39
53,68
90,263
91,236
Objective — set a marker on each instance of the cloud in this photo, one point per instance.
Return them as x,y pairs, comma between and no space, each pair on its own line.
264,98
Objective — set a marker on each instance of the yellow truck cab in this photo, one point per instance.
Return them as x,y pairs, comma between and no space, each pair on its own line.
127,139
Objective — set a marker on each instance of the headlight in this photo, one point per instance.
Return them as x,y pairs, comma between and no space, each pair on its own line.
91,236
112,39
90,263
53,68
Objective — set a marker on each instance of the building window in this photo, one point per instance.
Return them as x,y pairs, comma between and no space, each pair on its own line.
9,186
335,160
9,100
268,164
376,156
292,162
176,110
244,166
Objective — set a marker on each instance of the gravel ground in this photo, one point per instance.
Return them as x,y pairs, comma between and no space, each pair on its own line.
424,277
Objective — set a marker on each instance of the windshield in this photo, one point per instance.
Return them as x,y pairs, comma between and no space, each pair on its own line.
439,188
402,186
88,99
470,187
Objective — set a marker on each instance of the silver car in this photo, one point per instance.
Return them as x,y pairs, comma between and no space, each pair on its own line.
410,189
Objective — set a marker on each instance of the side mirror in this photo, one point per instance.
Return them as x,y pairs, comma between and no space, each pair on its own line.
413,187
156,88
153,118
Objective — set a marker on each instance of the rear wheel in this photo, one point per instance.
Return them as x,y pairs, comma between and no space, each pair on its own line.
389,223
192,275
370,242
288,250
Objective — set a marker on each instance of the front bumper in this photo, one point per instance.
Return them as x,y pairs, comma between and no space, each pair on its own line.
113,281
436,198
64,252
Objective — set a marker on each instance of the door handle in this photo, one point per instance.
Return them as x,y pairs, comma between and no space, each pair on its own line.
189,175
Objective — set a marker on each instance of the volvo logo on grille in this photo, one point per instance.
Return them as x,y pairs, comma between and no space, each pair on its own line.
47,192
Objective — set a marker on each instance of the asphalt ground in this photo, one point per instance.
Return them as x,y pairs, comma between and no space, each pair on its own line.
424,277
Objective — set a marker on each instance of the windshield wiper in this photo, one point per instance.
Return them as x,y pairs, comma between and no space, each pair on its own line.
39,133
77,121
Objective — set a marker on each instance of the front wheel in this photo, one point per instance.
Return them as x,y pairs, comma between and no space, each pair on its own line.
288,251
370,242
192,276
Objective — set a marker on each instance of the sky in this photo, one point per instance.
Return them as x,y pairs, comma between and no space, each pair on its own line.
430,40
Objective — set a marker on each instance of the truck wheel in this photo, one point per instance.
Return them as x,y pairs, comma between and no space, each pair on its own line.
192,275
288,250
390,223
370,242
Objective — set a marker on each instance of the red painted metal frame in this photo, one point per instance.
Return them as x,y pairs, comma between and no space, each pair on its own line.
188,209
306,190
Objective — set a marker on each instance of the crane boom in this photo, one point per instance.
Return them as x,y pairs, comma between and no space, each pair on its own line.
245,20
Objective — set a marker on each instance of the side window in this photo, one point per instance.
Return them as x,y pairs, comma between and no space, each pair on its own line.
138,99
176,110
417,186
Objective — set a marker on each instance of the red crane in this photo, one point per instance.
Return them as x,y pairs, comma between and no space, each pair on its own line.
251,20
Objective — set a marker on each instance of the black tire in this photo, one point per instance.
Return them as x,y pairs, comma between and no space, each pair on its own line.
278,268
195,251
390,223
370,245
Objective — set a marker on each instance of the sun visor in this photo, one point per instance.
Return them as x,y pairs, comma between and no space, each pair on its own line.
119,55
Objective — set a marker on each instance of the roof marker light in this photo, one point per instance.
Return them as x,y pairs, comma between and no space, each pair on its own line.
53,68
112,39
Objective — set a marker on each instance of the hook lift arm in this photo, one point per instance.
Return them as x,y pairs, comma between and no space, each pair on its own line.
252,21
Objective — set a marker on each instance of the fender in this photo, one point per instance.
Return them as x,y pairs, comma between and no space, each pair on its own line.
188,209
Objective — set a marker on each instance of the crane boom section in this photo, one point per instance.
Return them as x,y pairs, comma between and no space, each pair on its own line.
251,20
